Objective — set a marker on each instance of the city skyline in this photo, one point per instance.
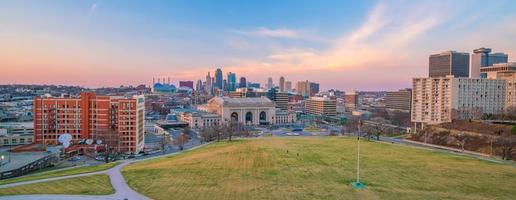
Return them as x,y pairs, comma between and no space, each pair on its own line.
337,45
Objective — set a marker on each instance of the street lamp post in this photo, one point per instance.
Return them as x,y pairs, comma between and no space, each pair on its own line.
357,184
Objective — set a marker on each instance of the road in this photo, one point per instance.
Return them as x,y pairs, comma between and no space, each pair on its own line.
122,190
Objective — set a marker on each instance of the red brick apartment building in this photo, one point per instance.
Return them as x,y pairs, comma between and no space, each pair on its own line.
118,121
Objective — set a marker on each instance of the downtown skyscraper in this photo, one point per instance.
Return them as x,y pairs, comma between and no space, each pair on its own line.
482,57
209,84
218,79
243,82
282,84
270,84
231,81
449,63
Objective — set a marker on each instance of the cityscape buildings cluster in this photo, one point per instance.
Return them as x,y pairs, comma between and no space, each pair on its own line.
457,90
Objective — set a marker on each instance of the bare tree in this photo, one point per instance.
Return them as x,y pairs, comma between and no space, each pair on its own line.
165,139
506,141
379,130
461,140
182,140
351,125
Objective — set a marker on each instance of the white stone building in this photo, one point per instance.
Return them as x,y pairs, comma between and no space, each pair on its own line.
249,111
285,117
200,119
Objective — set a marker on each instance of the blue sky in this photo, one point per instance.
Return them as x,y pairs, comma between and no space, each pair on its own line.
365,45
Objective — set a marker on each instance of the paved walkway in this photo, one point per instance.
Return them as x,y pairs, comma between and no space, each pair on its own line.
122,190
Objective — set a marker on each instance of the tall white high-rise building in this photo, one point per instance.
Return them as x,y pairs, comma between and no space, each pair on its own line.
282,84
288,86
270,84
209,84
440,99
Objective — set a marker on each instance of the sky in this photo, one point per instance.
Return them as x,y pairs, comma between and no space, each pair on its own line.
346,45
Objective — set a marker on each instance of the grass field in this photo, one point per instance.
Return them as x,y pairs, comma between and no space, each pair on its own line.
89,185
64,172
324,169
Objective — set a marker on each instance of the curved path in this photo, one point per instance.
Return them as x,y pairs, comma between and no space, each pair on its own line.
122,190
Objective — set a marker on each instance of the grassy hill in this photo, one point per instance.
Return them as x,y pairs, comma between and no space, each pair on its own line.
60,172
318,168
88,185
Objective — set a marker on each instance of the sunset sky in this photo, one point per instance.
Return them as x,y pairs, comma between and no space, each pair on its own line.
362,45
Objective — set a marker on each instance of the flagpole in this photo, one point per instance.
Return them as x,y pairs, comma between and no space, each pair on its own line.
358,160
357,184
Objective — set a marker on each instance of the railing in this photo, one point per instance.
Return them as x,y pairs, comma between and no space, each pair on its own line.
33,166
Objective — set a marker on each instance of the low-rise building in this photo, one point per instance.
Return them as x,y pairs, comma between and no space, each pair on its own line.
321,106
200,119
399,100
16,133
285,117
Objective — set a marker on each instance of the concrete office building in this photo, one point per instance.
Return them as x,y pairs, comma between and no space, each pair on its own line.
303,88
270,84
200,119
441,99
16,133
314,88
209,84
282,84
321,106
288,86
482,57
243,83
117,120
280,99
449,63
351,101
399,100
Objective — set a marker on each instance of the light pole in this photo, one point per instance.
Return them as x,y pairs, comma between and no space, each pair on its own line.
357,184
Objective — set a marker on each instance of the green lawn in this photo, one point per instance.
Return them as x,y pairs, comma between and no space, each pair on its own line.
87,185
64,172
324,169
